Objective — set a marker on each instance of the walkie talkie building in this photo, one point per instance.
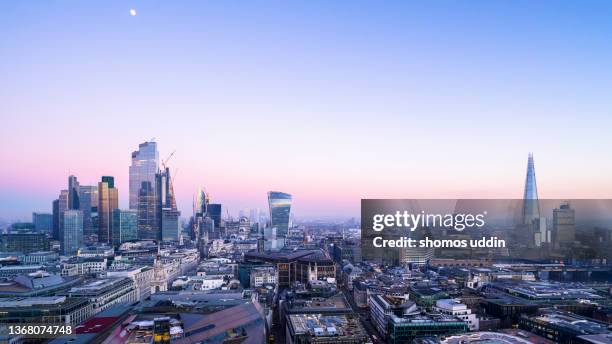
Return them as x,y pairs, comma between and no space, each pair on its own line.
280,208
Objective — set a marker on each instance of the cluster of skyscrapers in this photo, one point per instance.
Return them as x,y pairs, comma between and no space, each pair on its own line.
91,213
86,213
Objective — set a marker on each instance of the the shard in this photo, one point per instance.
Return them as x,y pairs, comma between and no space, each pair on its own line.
531,206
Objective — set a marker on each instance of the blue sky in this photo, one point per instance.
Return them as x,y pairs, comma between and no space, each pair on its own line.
329,101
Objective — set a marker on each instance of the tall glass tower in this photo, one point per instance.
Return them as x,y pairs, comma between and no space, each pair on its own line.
148,226
145,162
108,200
280,208
125,226
73,193
88,200
531,206
72,233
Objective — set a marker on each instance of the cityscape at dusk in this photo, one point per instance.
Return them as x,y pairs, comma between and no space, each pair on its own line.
305,172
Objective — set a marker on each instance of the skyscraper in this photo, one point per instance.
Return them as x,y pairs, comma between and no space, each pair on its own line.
280,209
165,189
564,224
201,202
62,207
108,200
125,226
531,206
148,225
73,193
43,222
170,224
214,211
145,162
88,199
72,232
56,219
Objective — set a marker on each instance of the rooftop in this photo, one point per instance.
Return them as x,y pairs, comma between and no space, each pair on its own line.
319,325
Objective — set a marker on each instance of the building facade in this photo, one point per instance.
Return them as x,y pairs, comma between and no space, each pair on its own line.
280,210
72,232
125,226
108,200
145,162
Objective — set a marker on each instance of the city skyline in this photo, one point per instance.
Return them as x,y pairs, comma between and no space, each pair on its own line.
354,94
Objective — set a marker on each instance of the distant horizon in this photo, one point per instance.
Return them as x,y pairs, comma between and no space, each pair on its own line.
330,102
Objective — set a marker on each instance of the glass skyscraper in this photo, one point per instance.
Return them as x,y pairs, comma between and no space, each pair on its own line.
280,210
214,211
170,224
531,206
148,225
62,206
56,219
88,199
145,162
201,202
73,193
72,232
125,226
43,222
564,225
108,200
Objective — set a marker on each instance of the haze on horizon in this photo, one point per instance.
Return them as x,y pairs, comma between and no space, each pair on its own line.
331,102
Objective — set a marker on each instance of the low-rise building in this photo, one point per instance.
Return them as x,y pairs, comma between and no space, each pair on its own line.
407,329
82,266
10,271
324,329
382,307
103,293
40,257
455,308
560,326
141,275
261,275
45,309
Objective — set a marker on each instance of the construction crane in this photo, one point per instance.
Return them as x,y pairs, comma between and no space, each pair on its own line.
164,162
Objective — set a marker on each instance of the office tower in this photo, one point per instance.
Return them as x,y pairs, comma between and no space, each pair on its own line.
148,226
145,162
24,242
56,219
564,224
43,222
108,200
280,208
531,207
541,233
165,189
125,226
73,193
62,207
164,194
88,199
72,232
201,203
214,211
206,229
170,224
